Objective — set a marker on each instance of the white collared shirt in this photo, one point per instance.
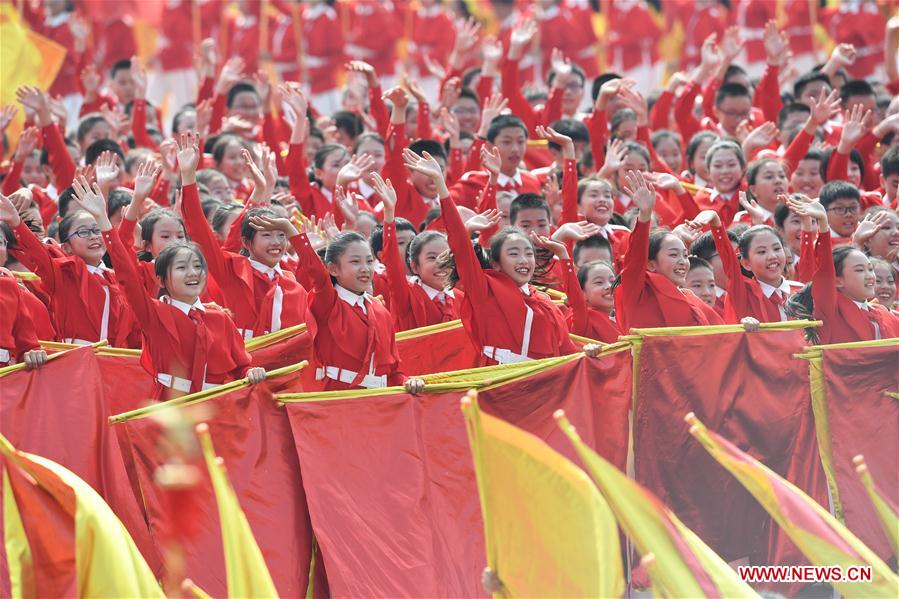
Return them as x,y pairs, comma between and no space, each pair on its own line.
769,290
525,289
365,190
183,306
266,269
98,270
719,291
432,293
353,299
724,197
504,180
865,306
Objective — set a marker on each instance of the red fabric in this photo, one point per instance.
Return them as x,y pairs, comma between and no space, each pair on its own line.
251,434
47,512
324,47
862,420
466,191
17,329
433,35
59,412
423,530
584,320
374,30
444,351
746,386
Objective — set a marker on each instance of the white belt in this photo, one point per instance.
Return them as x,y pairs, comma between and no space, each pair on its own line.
504,356
73,341
369,381
247,334
178,383
4,355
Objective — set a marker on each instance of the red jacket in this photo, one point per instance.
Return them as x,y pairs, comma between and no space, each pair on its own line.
17,329
374,31
584,320
201,346
323,45
465,192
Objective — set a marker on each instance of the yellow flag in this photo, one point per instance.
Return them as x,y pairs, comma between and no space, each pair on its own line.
248,575
548,531
682,565
821,538
885,509
106,561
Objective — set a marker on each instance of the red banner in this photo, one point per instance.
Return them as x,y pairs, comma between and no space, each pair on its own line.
60,413
390,481
441,351
863,420
252,435
748,387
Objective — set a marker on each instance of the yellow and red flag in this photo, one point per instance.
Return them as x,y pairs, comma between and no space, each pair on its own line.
248,575
886,510
682,565
62,539
819,536
549,532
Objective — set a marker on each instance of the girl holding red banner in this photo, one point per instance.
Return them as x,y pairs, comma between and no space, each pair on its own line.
18,334
655,268
507,319
187,347
342,313
840,291
762,293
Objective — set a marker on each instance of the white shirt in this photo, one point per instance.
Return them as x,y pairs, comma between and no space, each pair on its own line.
867,308
769,290
504,180
353,299
265,269
441,294
724,197
98,270
525,289
183,306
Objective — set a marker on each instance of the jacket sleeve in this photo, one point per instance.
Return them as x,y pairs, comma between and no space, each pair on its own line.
633,270
323,289
125,264
60,160
397,285
36,256
472,276
824,282
683,112
199,230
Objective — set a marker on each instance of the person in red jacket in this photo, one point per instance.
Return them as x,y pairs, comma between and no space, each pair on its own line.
18,335
323,47
379,50
591,302
655,268
506,318
433,36
187,348
839,294
633,43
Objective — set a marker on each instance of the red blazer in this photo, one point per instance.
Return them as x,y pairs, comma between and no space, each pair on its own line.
647,299
409,203
495,311
843,320
409,302
312,200
744,295
343,337
584,320
726,209
465,192
146,270
17,330
249,293
77,297
204,349
43,324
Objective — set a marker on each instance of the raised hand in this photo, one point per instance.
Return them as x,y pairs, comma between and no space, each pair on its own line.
147,172
558,249
267,222
491,161
397,97
232,73
483,221
467,37
703,219
8,212
188,156
759,137
676,82
117,119
387,193
844,55
206,58
551,192
666,181
522,36
362,67
804,206
263,84
731,44
752,208
107,170
869,227
91,199
35,102
424,164
686,233
641,192
359,165
824,108
28,141
776,43
492,52
437,70
492,108
58,110
561,66
711,57
636,102
615,156
451,91
450,124
575,231
550,134
853,128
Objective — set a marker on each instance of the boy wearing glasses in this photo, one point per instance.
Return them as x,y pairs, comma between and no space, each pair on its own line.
842,201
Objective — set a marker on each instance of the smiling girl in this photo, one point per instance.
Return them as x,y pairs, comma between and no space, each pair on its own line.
755,283
263,296
591,301
227,152
655,268
506,318
725,163
186,347
85,299
766,180
840,292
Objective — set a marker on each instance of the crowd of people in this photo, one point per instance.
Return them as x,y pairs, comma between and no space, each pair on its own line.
732,194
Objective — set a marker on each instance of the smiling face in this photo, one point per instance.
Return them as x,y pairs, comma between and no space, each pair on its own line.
426,266
857,279
354,268
375,149
32,173
701,281
186,276
843,215
267,247
725,171
598,288
90,248
731,111
467,111
765,258
634,161
232,164
792,232
884,243
670,153
166,231
532,219
516,259
770,182
671,260
332,164
884,284
806,179
597,203
511,143
697,165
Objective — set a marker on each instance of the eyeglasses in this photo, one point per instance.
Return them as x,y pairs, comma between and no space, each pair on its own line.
844,210
741,114
574,86
458,111
84,233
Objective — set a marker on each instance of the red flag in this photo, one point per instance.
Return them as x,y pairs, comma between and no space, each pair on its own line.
439,348
748,386
390,481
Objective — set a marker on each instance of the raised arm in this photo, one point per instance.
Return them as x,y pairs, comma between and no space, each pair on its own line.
60,161
824,281
633,271
33,254
400,297
569,172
